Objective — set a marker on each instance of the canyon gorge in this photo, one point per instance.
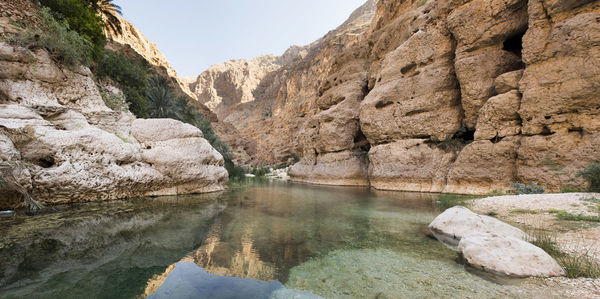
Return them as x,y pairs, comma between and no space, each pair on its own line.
430,96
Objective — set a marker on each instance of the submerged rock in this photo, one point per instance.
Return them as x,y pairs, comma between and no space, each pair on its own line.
506,255
384,273
457,222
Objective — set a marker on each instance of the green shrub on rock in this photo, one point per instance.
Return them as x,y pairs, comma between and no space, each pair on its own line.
132,77
65,46
532,188
82,18
592,176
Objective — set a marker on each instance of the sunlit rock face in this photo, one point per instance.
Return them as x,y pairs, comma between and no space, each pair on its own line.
62,144
268,99
442,96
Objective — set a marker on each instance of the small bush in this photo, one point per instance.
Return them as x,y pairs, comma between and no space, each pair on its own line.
236,173
295,158
563,215
580,264
525,211
65,46
114,101
82,18
446,201
532,188
592,176
570,189
260,171
544,240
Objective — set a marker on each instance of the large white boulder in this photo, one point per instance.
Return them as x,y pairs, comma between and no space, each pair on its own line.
506,255
455,223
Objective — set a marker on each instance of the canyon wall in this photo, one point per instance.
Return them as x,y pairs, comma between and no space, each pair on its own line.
268,99
437,96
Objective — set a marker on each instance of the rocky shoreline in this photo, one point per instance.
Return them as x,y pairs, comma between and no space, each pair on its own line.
493,246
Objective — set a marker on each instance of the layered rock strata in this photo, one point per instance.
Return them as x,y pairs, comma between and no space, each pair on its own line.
60,143
432,96
462,97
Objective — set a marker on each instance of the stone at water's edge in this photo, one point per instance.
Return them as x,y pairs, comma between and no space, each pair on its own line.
457,222
508,256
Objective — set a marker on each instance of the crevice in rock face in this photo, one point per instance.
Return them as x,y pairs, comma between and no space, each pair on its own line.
514,44
546,131
496,139
45,162
383,104
361,142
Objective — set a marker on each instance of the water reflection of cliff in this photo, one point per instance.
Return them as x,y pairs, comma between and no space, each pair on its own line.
267,231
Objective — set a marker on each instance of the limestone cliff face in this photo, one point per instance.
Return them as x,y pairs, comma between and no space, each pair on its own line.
268,99
60,143
465,97
437,96
232,82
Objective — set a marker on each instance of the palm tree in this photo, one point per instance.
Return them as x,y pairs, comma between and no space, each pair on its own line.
109,12
162,100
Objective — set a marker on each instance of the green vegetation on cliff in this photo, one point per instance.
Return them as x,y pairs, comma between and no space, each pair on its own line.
64,45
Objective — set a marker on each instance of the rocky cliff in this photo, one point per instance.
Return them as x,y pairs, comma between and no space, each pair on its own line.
60,143
438,96
268,99
133,42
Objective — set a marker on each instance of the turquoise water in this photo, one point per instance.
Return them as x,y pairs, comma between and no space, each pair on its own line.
261,240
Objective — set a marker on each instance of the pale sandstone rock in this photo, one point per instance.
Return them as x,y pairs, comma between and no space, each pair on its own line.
560,84
499,117
192,163
155,130
508,81
69,120
506,255
8,152
482,23
347,168
553,161
458,222
76,149
118,123
483,166
416,94
18,117
476,72
409,165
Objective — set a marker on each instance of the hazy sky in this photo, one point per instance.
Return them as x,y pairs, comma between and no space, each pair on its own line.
195,34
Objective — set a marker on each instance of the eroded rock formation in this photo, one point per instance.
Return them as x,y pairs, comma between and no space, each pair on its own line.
60,143
440,96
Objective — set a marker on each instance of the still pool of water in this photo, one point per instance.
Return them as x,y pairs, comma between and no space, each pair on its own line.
260,240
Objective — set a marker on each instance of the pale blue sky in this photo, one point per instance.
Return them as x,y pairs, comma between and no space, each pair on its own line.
197,34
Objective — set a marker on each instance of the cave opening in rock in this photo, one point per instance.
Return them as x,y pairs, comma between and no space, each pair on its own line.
465,135
514,44
45,162
361,142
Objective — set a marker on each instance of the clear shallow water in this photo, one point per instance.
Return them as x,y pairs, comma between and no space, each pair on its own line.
261,240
